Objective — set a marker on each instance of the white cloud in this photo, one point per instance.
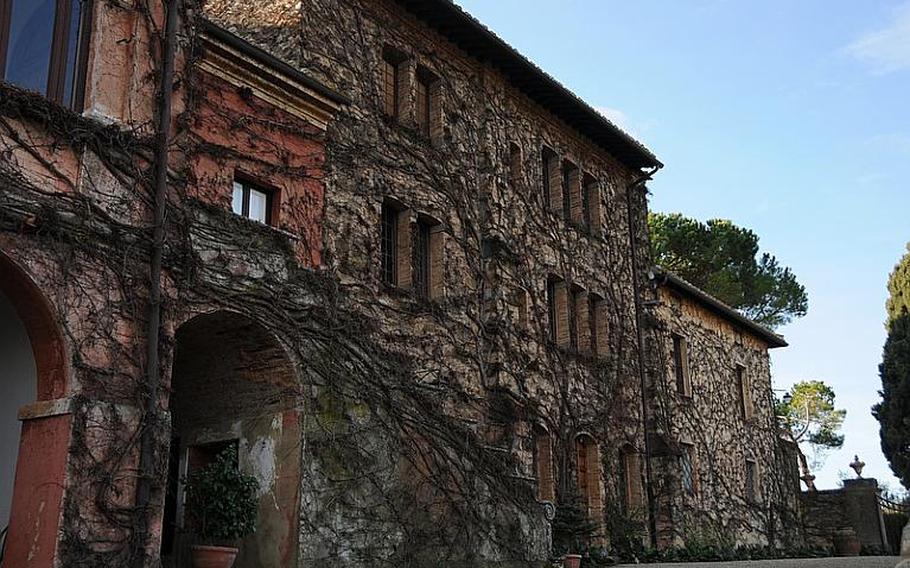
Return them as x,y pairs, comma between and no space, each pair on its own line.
616,116
887,49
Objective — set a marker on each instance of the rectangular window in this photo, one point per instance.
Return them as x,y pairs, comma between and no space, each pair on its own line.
388,244
390,82
551,308
545,171
252,202
421,261
681,365
424,104
566,191
592,205
630,480
600,325
40,44
543,458
552,180
687,469
572,315
751,481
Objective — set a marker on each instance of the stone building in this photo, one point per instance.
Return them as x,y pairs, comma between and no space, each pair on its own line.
722,471
364,242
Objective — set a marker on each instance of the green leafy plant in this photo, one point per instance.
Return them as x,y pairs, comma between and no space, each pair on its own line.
724,260
221,500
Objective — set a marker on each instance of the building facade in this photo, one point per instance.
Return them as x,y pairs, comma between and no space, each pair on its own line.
367,244
723,474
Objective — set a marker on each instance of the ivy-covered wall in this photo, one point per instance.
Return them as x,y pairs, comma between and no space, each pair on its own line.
723,425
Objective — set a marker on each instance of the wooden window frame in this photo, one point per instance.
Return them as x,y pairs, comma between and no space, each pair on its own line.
551,309
249,184
681,366
421,258
424,101
744,393
58,65
390,85
543,468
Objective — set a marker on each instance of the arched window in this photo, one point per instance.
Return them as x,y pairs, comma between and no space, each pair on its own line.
588,471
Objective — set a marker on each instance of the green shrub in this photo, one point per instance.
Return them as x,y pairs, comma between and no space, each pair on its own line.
221,501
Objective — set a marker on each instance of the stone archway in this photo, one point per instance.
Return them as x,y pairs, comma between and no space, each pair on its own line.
33,454
233,382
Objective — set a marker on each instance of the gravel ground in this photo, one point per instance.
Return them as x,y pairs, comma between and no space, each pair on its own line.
858,562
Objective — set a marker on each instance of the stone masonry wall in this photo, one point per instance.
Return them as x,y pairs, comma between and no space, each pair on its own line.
487,335
722,430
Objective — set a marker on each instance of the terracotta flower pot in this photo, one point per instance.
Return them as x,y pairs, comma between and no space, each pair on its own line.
846,543
571,561
213,556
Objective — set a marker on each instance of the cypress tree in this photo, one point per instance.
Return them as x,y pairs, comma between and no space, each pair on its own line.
893,412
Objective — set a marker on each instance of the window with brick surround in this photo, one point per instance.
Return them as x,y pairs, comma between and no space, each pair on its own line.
600,325
394,240
557,311
551,180
543,465
592,205
253,201
688,469
630,479
681,365
394,75
423,104
571,193
429,104
588,474
43,45
421,261
743,392
752,485
579,320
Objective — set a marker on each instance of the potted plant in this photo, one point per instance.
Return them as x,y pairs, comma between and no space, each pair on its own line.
222,504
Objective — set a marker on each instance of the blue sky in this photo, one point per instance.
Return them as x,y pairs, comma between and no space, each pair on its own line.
788,117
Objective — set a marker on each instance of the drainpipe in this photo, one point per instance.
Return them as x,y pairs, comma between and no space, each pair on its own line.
636,286
150,414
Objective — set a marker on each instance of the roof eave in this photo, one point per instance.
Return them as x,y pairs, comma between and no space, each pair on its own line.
773,339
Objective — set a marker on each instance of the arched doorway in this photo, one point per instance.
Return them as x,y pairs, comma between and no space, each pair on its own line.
34,420
233,383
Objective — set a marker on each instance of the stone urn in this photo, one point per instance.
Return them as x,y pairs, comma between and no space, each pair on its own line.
571,561
205,556
846,543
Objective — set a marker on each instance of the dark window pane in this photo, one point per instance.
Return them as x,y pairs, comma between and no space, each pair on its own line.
551,309
388,243
72,49
422,261
31,34
677,364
